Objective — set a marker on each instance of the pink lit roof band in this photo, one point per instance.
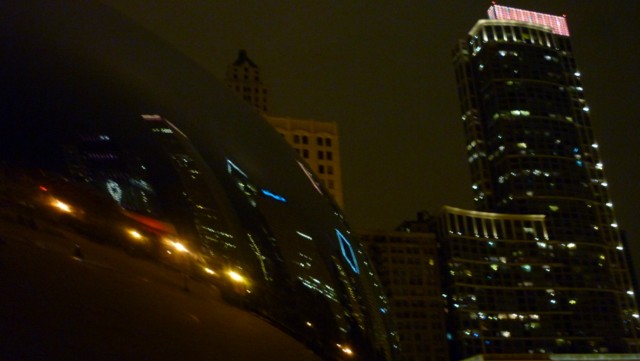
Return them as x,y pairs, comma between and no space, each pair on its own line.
557,23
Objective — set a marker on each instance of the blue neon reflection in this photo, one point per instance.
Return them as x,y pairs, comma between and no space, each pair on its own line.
277,197
347,252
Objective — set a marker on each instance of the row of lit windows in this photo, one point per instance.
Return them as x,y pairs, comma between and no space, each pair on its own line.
496,228
517,34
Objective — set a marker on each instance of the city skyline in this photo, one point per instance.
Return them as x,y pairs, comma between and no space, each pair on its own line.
383,72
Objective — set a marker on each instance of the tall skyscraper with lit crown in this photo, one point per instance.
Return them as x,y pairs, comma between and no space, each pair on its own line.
531,150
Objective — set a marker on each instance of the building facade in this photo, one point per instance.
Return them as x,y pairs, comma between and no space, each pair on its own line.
243,78
317,142
407,265
501,284
531,150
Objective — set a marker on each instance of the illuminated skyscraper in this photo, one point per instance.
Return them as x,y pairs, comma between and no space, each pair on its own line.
532,150
317,142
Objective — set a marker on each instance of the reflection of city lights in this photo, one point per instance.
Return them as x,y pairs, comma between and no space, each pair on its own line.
235,276
61,206
277,197
114,190
346,349
179,247
347,252
209,271
135,234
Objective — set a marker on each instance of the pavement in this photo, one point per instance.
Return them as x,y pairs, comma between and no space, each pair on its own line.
65,297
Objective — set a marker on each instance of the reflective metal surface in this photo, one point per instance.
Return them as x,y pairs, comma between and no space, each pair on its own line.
108,133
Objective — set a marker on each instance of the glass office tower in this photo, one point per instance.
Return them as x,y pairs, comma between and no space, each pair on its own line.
531,150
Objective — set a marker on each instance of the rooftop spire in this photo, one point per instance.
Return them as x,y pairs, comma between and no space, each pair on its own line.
243,58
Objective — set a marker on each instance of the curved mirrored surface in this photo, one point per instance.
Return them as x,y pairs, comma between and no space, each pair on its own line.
113,140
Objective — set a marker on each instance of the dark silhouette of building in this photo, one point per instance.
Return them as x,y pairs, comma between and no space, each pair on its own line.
243,78
406,261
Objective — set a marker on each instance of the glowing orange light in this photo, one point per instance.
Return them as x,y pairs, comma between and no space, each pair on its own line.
179,247
61,206
235,276
135,234
346,349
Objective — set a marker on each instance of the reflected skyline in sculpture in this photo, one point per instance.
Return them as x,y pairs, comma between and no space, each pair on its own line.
149,153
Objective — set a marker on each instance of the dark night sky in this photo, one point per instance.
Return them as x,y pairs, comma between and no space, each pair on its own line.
382,70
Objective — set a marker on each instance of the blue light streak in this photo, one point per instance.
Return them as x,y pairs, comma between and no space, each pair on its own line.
347,252
277,197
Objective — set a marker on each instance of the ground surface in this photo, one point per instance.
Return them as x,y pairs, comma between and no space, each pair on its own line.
111,306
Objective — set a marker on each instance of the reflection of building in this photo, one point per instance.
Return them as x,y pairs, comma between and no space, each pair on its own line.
289,256
192,190
532,150
317,142
97,159
407,264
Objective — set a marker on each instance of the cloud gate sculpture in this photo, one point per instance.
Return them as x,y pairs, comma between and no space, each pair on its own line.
130,176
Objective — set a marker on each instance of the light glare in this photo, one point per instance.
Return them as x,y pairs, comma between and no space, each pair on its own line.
61,206
180,247
235,276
